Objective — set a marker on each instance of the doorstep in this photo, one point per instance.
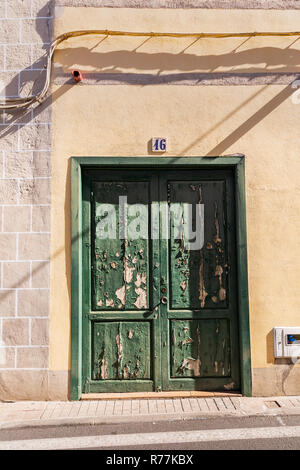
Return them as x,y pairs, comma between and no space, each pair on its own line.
156,395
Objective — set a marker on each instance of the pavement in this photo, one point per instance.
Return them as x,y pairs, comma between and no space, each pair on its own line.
24,414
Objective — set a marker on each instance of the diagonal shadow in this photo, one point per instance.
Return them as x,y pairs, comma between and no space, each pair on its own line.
245,127
252,121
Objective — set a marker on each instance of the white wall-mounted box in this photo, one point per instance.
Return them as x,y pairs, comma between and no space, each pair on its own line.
286,341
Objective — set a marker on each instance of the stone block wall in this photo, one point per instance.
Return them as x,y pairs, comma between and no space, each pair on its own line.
25,191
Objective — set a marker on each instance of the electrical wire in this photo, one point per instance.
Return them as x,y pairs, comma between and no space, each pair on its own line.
17,103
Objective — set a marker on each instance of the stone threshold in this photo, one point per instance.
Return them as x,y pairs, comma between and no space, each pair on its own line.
156,395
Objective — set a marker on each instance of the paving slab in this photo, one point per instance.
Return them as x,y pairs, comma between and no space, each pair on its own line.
24,414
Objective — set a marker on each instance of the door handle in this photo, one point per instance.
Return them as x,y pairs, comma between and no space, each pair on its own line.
163,300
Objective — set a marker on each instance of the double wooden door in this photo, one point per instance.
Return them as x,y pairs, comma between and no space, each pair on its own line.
159,281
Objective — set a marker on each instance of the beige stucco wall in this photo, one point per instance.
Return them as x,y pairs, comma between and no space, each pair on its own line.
260,121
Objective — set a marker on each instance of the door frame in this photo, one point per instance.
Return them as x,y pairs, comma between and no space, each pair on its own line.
78,164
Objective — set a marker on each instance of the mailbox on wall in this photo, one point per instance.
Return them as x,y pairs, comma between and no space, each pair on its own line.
286,341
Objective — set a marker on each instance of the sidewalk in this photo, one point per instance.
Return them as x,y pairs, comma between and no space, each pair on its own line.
23,414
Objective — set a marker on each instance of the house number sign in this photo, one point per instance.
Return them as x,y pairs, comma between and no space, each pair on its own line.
159,144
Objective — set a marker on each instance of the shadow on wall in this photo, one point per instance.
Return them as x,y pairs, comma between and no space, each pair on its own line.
30,81
256,60
269,348
113,62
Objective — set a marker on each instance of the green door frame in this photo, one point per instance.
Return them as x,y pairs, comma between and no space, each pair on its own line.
78,164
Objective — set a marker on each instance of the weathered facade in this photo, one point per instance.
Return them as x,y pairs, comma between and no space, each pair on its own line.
79,314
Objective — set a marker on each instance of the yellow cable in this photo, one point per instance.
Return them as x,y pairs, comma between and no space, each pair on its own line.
13,103
107,32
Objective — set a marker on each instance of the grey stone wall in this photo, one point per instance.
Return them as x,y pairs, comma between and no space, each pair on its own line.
25,144
226,4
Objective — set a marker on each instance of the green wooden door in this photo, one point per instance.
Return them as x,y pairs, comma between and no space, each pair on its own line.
159,281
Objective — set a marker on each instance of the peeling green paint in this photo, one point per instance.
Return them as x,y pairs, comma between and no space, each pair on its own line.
199,277
201,348
121,351
120,266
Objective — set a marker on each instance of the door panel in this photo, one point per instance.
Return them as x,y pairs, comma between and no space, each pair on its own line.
121,338
200,348
121,350
199,276
199,321
161,308
121,268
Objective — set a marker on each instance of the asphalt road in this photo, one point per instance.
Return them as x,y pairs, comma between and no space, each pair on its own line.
217,433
